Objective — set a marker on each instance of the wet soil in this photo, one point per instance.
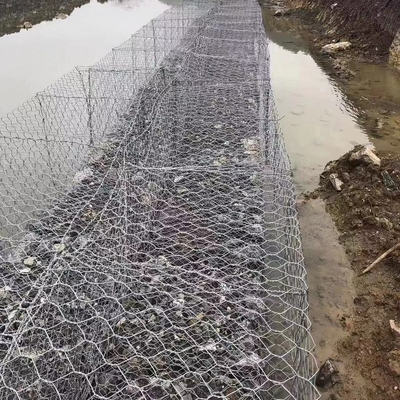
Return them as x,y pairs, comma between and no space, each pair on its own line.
350,312
331,294
367,214
362,72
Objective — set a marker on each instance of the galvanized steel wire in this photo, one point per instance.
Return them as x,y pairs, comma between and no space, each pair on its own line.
150,244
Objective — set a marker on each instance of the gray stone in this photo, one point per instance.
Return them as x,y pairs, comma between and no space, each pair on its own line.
326,374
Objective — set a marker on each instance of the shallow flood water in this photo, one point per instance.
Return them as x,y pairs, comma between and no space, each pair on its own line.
318,122
33,59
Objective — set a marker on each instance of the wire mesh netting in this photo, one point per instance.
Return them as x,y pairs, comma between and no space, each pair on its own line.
150,245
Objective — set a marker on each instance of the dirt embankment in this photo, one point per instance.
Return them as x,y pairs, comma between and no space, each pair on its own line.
13,13
367,213
370,26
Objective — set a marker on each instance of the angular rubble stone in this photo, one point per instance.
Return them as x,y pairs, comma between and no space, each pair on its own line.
30,261
366,156
336,182
326,374
59,247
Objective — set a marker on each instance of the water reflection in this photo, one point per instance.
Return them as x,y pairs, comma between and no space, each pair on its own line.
33,59
318,122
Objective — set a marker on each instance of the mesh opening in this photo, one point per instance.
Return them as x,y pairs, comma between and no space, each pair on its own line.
150,243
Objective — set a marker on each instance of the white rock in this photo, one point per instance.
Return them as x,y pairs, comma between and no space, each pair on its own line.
61,16
4,292
210,346
30,261
179,179
59,247
366,156
336,182
25,271
335,47
12,315
27,25
380,124
81,176
221,161
250,361
251,146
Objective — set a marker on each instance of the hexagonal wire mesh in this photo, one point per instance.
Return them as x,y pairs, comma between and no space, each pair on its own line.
150,245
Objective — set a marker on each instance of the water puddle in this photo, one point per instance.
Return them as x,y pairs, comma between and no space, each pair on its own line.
33,59
317,120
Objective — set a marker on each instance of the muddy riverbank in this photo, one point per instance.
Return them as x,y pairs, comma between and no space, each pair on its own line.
14,13
366,211
370,84
350,313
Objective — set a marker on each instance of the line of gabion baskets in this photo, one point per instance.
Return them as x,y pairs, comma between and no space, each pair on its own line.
150,247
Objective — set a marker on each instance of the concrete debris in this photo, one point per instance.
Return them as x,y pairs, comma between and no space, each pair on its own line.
366,156
26,270
336,182
336,47
326,374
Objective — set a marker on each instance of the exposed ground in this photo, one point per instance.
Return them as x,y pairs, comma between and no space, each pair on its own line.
371,41
367,214
353,312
